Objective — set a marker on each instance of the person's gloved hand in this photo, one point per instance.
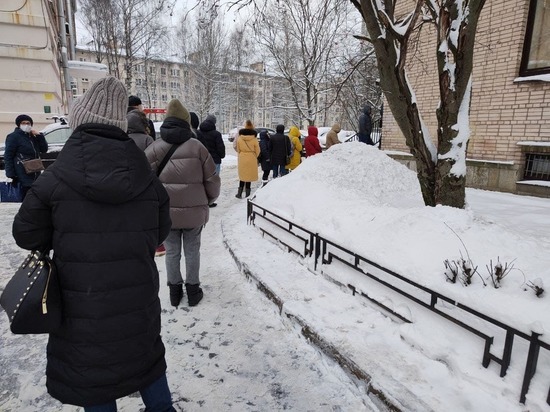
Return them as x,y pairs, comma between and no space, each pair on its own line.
14,181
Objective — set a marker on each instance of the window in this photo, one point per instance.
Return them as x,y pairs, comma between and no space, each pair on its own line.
84,80
536,47
151,69
163,84
163,70
138,82
537,166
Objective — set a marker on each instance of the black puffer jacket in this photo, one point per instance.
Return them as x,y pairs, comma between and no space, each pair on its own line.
212,140
103,211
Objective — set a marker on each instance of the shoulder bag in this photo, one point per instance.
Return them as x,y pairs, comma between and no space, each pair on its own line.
32,298
166,158
32,165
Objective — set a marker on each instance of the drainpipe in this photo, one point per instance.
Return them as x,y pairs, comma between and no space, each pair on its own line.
64,60
72,31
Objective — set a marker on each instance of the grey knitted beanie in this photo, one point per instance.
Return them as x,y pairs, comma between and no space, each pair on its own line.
106,103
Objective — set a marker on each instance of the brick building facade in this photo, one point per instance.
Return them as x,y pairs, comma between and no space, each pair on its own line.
509,148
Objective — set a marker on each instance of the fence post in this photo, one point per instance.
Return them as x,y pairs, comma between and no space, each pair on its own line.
531,365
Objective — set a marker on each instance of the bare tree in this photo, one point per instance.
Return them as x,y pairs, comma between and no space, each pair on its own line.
123,30
202,37
307,41
441,169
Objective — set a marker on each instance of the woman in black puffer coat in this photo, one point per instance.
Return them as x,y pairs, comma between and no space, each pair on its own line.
103,212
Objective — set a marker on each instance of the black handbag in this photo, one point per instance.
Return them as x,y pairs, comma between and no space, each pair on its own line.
32,298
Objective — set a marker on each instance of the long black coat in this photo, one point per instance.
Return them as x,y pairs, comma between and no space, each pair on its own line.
280,148
103,211
212,140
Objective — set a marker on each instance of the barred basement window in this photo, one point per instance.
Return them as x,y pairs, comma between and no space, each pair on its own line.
537,166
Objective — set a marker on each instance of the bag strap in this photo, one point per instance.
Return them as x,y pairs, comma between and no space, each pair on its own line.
166,158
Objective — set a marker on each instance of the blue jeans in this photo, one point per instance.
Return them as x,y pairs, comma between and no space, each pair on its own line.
218,168
156,397
279,169
190,239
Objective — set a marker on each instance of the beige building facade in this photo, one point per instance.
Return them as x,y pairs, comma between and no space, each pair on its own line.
509,148
32,53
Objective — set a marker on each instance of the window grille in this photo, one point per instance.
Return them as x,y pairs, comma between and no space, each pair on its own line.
537,166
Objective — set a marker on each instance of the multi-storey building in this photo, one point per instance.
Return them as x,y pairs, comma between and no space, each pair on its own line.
33,60
509,148
249,93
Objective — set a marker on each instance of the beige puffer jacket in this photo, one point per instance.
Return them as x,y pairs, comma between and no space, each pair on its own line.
189,176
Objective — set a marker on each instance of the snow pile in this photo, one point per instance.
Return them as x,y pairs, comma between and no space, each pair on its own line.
351,171
363,200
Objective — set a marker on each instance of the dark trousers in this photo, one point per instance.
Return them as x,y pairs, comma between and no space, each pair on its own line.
156,397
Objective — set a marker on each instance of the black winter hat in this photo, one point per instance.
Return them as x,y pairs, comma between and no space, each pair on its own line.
194,120
22,118
134,101
280,128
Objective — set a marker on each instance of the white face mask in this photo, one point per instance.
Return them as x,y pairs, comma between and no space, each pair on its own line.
26,128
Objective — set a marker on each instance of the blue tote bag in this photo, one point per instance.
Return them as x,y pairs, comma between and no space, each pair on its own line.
10,192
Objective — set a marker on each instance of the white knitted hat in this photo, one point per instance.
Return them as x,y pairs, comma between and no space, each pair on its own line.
106,102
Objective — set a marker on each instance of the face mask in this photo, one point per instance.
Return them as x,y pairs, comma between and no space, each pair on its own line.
26,128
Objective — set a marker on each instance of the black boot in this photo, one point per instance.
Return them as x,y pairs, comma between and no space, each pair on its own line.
194,294
176,293
247,192
239,194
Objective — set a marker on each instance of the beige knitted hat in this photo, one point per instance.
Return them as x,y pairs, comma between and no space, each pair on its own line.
176,109
106,103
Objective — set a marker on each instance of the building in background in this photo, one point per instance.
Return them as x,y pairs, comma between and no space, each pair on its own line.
36,43
250,93
509,148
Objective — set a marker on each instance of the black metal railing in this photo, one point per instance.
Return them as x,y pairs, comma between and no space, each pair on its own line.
323,251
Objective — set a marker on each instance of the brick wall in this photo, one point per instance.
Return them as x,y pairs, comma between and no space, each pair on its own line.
502,112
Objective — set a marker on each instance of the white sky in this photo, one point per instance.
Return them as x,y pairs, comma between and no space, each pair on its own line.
235,352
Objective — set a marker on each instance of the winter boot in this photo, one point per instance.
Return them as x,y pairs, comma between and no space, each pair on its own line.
239,194
247,192
194,294
264,182
176,293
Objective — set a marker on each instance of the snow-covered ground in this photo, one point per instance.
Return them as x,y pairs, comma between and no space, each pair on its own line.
235,352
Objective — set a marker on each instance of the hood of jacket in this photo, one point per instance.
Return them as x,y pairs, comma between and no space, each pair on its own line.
294,132
103,164
207,126
366,109
175,131
136,122
312,131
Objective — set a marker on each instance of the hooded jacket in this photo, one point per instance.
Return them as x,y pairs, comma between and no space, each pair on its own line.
212,139
280,147
365,126
332,136
295,157
311,143
103,212
137,129
189,176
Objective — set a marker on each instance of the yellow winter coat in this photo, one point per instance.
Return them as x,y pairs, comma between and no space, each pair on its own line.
248,150
295,158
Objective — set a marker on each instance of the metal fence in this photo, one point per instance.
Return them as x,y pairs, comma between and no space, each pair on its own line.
323,252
